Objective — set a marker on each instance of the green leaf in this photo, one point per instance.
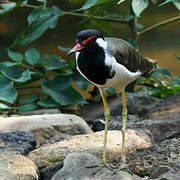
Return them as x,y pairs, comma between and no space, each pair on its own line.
165,2
120,1
49,102
58,82
111,91
31,99
16,74
161,72
154,1
178,58
39,21
79,80
60,89
175,81
7,91
105,26
91,3
8,63
15,56
5,7
27,107
139,6
3,106
38,14
32,56
52,62
41,0
88,4
177,3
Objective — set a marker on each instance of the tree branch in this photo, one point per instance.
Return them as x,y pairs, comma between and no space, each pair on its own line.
159,25
95,17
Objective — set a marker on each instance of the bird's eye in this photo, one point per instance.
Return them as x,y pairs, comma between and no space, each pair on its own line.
90,39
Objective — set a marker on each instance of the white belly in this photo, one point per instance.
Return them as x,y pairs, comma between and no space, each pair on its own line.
122,76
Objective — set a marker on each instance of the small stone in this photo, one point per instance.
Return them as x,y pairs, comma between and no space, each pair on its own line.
19,141
15,167
159,171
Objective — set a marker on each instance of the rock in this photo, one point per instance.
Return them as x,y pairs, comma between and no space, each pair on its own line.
58,137
16,166
168,108
19,141
85,166
44,127
114,124
160,129
99,125
140,105
137,104
146,162
169,176
40,112
52,155
159,171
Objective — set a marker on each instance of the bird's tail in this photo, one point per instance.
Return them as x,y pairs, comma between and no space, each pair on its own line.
151,68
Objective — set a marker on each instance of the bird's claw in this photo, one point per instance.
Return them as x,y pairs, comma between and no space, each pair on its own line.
124,166
104,165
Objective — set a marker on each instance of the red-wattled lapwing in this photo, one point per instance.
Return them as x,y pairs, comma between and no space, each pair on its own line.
109,62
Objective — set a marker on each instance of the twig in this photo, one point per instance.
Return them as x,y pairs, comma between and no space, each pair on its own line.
45,4
159,25
95,17
29,6
132,25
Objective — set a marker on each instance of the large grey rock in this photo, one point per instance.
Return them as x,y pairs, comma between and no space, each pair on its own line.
80,166
17,167
19,141
51,156
44,127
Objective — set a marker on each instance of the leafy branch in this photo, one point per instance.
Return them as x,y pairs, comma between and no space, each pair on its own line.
168,21
31,69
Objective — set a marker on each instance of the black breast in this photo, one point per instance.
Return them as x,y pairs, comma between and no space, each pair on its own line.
91,64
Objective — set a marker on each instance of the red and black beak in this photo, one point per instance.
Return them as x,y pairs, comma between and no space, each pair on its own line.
76,48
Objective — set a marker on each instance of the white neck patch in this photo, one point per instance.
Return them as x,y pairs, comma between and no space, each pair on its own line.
102,43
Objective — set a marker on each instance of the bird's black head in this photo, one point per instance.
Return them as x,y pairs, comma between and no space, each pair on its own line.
84,35
85,38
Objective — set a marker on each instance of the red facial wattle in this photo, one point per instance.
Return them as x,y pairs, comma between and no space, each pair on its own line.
80,46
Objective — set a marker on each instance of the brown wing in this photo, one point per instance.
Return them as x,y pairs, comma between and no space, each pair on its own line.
127,55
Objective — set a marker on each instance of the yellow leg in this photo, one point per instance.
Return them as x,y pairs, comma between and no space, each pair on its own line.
124,115
106,114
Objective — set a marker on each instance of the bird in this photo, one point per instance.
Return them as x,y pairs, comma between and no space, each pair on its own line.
109,62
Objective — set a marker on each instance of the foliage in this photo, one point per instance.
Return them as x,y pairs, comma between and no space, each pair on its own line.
160,83
51,74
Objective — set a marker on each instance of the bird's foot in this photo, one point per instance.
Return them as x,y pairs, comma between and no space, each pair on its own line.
109,166
124,166
104,165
